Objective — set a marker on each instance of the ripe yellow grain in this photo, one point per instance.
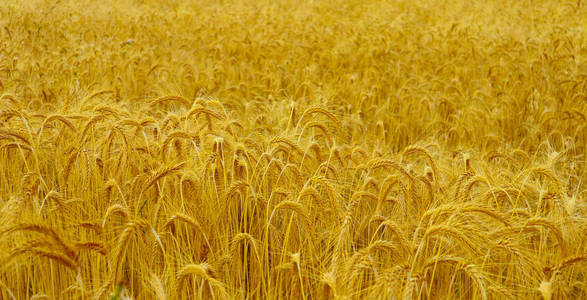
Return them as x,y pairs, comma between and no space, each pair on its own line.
337,149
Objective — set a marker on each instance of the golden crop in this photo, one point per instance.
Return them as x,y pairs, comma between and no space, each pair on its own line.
281,149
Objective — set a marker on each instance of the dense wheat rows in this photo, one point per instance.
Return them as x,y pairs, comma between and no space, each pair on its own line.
275,149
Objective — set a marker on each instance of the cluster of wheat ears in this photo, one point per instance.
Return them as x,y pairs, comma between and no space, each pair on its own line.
282,150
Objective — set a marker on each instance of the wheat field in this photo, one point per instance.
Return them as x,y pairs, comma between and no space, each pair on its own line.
279,149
